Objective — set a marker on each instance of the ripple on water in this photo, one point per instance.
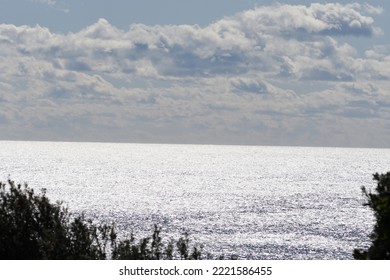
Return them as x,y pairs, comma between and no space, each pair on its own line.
255,202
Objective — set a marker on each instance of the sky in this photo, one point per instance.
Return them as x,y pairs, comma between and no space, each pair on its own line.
246,72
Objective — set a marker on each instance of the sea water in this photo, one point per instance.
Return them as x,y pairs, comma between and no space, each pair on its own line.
251,201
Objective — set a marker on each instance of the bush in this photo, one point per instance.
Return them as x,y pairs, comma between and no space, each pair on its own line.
32,228
152,248
379,202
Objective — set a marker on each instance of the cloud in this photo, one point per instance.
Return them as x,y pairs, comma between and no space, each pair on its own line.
257,76
250,41
249,85
375,10
48,2
57,5
317,19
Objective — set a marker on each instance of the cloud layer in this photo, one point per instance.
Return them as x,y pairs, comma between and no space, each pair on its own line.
271,75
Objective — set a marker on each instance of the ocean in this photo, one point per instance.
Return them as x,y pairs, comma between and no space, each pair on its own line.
251,201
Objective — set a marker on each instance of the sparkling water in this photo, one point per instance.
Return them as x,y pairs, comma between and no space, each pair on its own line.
254,202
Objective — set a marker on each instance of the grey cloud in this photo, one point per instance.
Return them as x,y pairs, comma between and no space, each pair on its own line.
59,93
77,65
250,85
360,112
345,20
294,20
232,46
3,119
327,75
214,81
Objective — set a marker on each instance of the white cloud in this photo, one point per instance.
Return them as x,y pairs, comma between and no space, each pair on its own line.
375,10
58,5
48,2
239,77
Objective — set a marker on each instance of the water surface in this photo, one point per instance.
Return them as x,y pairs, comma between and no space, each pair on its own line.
256,202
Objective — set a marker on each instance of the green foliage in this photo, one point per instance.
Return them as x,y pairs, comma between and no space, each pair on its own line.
31,227
152,248
379,202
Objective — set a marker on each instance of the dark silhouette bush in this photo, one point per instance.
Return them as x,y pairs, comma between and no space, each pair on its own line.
31,227
152,248
379,202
